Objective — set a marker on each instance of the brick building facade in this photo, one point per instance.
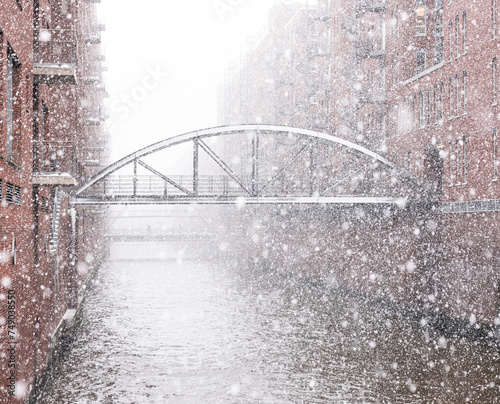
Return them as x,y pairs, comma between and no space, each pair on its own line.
52,138
416,81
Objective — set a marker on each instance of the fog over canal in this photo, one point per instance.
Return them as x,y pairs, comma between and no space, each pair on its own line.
182,330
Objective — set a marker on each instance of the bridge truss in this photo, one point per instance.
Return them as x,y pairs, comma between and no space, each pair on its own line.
251,164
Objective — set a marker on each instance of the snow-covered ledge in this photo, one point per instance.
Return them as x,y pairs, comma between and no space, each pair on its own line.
52,73
54,179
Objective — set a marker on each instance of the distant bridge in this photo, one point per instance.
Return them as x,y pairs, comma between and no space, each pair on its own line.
256,164
118,236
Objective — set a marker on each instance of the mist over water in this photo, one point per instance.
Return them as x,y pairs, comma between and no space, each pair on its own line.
184,330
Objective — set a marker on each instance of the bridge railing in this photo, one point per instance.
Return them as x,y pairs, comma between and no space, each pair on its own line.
151,185
279,165
224,186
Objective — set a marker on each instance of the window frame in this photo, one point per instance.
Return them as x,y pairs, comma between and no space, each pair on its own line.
464,86
421,56
464,31
494,67
415,120
450,83
495,154
10,105
9,192
17,195
429,105
464,157
441,102
494,19
450,159
450,28
421,19
421,99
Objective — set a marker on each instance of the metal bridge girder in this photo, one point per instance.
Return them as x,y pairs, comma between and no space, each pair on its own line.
252,194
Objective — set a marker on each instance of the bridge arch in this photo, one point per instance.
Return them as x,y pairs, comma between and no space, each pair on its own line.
404,184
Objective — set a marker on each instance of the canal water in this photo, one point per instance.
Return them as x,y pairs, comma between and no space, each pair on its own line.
176,330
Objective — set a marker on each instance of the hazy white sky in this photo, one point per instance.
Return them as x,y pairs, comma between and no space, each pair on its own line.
165,59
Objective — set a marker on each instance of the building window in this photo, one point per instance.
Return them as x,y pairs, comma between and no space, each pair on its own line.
10,104
450,156
44,122
435,104
450,82
464,75
429,106
44,206
457,34
1,190
421,23
494,18
438,51
464,157
457,81
12,99
414,109
17,195
495,154
441,102
450,24
457,161
408,114
397,120
438,31
397,21
397,69
421,100
438,18
420,60
464,31
393,71
9,192
494,73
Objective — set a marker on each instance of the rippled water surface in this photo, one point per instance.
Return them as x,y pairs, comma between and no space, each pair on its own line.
170,331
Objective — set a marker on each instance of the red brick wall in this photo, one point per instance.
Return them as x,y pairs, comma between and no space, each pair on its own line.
44,283
459,122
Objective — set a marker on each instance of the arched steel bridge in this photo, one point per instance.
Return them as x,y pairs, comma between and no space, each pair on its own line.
257,164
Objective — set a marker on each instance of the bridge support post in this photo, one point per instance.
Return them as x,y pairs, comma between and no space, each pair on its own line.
135,178
195,166
255,164
311,169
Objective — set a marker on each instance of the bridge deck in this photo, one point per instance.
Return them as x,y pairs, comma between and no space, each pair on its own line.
158,200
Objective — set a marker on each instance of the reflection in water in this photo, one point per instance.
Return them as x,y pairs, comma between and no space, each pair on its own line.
201,332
